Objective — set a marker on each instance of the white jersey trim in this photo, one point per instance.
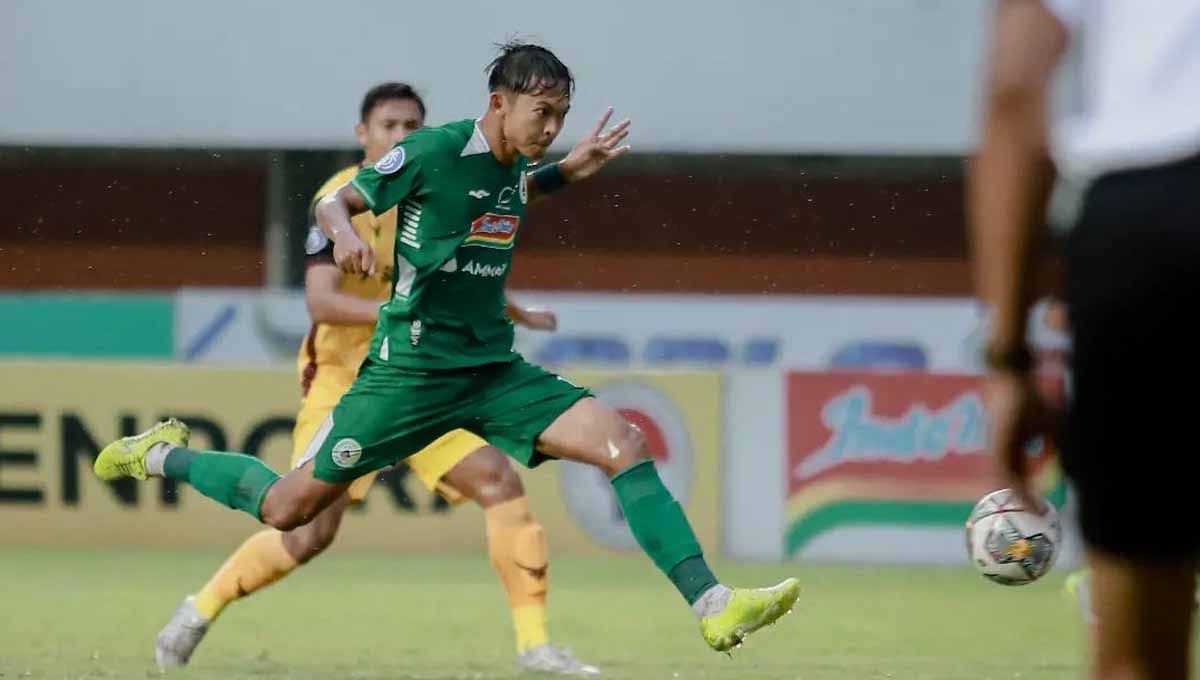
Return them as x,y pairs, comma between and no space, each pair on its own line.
477,144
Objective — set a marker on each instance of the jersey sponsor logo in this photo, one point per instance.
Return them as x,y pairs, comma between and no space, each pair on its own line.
390,163
488,271
479,193
346,453
493,231
316,241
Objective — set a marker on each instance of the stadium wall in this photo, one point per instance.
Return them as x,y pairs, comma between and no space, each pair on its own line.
124,220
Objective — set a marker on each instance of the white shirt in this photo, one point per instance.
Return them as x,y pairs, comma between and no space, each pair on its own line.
1136,95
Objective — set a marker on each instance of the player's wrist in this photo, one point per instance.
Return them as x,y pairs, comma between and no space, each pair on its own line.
1013,358
552,177
343,235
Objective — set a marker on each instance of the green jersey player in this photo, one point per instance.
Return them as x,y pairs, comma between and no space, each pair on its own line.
442,357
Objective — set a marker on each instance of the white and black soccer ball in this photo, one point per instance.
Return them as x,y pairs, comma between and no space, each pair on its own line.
1009,543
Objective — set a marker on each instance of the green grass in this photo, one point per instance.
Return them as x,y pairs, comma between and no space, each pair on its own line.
75,614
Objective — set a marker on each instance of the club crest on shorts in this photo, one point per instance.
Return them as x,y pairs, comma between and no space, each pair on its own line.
346,453
391,162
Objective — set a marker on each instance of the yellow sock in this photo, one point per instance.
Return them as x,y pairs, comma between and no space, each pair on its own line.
257,563
530,623
517,548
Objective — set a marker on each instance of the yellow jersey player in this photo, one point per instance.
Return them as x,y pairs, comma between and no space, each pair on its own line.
459,465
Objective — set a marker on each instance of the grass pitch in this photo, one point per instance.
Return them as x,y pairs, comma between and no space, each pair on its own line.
85,614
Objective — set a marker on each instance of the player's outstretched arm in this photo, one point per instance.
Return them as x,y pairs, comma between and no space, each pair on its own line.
1008,186
333,213
590,154
535,319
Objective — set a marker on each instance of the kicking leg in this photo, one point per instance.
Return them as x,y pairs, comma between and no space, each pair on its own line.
592,433
518,551
234,480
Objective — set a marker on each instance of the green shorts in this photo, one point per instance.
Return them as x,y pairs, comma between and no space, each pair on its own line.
390,413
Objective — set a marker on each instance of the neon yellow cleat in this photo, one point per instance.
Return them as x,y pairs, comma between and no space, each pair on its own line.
747,611
126,457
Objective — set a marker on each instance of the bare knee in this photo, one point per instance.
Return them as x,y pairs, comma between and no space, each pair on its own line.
486,477
502,484
626,448
286,515
279,515
297,498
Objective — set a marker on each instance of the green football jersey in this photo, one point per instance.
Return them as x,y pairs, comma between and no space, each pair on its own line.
459,211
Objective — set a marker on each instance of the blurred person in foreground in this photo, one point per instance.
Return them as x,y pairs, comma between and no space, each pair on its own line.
442,356
459,465
1132,265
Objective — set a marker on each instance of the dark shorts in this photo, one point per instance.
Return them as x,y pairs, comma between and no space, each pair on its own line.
389,414
1133,289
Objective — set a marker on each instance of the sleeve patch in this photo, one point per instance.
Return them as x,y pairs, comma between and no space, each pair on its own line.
316,241
391,162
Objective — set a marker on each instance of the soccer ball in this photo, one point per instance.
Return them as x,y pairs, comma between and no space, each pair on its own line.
1008,543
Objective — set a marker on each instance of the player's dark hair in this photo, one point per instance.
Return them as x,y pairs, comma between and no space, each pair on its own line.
524,68
385,92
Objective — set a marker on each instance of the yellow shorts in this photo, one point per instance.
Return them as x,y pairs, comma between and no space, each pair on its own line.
429,464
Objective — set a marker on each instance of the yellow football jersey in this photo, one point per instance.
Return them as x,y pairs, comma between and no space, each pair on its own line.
340,349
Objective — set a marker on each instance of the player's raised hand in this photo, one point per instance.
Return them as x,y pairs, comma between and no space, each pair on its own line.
353,256
596,149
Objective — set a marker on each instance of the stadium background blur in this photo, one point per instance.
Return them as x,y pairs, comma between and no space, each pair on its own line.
774,284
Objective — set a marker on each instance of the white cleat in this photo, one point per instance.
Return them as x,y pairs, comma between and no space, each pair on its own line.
555,660
180,637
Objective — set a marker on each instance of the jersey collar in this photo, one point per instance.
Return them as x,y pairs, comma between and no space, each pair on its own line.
477,144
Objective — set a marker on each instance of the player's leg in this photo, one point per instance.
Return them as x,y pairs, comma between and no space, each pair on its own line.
235,480
358,438
1143,617
263,559
530,414
461,466
592,433
267,556
1127,450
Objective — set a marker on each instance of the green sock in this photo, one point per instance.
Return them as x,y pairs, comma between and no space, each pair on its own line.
234,480
660,527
